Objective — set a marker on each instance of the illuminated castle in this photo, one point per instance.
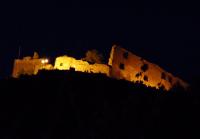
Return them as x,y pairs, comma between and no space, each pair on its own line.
122,65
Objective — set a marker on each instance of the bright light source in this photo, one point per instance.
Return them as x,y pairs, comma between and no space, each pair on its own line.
44,61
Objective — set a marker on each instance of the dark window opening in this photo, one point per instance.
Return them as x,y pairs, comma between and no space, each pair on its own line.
144,67
125,55
61,64
121,66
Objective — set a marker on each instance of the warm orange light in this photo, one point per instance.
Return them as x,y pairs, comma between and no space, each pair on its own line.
44,61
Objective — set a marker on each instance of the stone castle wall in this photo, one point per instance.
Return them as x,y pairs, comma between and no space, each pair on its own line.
28,66
126,65
65,63
122,65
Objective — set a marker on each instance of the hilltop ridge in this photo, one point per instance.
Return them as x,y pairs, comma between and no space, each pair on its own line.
80,105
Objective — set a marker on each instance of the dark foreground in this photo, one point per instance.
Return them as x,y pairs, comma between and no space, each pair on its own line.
75,105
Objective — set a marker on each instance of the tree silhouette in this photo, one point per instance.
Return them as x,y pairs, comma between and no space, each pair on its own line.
143,68
93,56
146,78
170,79
139,74
163,77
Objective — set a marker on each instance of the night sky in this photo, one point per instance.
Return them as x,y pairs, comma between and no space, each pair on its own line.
166,33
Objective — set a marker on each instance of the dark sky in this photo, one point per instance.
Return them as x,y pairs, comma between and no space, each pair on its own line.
166,33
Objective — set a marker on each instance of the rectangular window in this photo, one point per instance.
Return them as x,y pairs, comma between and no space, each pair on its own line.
125,55
121,66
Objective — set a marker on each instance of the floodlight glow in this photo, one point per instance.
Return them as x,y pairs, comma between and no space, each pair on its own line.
46,60
42,61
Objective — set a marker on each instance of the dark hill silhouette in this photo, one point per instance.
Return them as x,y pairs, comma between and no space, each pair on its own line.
60,104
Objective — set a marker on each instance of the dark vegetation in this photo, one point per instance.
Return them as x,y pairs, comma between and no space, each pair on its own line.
78,105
